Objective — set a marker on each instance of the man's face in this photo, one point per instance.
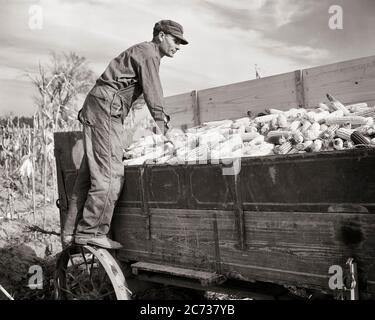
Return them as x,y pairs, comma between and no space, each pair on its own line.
169,44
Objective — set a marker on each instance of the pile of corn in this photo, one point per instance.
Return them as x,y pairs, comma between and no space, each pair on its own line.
330,126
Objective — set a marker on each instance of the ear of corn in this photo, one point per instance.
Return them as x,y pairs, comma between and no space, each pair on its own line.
356,107
251,128
284,148
275,111
266,118
338,144
323,127
330,132
304,145
337,105
358,138
295,125
316,146
344,133
337,113
265,128
344,120
305,125
280,133
248,136
369,112
257,140
297,137
323,106
282,121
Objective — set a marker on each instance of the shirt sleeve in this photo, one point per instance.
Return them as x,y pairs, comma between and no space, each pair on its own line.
152,91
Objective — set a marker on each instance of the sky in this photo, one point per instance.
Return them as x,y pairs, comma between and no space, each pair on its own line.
227,38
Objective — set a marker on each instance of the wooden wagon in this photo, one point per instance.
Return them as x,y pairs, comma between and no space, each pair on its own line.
301,223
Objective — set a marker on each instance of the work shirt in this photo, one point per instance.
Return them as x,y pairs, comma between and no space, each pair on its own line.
136,71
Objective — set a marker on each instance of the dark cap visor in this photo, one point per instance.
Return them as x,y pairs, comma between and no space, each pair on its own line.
180,37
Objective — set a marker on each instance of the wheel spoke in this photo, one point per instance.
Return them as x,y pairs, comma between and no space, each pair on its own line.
82,274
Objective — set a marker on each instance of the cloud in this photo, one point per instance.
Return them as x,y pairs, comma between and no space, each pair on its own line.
226,37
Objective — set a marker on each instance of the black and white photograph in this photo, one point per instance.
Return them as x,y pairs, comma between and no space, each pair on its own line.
191,156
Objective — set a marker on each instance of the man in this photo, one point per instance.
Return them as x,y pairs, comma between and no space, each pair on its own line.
100,178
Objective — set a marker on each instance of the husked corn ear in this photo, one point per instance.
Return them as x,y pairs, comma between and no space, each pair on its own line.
243,121
315,126
262,149
265,128
348,144
316,145
278,137
344,120
274,124
344,133
358,138
338,144
257,140
321,116
284,148
337,105
282,121
311,116
304,145
305,125
293,151
295,125
323,106
235,125
370,121
356,107
337,113
281,133
251,128
275,111
297,137
331,131
366,130
312,133
370,112
327,144
248,136
266,118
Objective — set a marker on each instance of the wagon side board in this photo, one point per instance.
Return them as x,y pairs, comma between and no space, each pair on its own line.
299,215
283,220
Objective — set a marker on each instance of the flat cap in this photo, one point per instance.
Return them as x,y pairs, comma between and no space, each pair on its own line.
171,27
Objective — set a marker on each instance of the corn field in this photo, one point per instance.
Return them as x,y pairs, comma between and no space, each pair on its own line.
27,161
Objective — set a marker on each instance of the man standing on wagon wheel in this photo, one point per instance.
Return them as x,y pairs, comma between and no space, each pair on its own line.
101,174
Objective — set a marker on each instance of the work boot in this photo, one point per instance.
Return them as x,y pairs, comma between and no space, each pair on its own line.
102,242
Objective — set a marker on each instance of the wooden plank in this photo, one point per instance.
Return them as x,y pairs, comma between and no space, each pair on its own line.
298,248
204,277
300,92
180,109
196,109
349,81
235,100
178,237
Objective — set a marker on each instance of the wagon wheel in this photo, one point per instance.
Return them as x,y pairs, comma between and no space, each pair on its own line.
89,273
